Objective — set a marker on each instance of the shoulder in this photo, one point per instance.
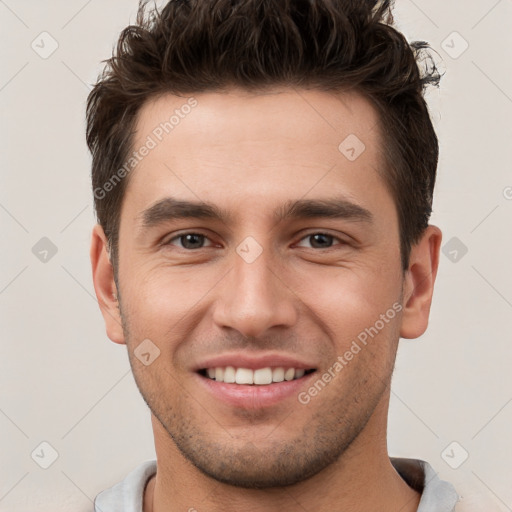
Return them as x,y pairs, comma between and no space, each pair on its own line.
458,495
127,495
436,495
474,496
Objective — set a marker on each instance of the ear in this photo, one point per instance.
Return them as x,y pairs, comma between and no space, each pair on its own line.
419,283
104,285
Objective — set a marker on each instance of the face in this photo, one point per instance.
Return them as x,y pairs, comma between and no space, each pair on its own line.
293,264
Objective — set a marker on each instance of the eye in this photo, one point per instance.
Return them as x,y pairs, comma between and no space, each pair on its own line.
321,240
189,240
193,241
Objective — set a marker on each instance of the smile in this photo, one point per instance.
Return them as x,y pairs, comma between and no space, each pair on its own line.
257,377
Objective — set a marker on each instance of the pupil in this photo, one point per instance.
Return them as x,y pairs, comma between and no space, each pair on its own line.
193,239
321,237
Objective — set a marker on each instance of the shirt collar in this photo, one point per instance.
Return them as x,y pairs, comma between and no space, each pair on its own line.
436,495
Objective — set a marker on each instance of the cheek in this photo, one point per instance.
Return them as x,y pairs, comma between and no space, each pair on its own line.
161,301
353,303
353,294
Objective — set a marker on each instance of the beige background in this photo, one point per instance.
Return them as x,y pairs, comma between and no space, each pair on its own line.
63,382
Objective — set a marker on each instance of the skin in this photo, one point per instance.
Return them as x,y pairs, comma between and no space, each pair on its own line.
249,154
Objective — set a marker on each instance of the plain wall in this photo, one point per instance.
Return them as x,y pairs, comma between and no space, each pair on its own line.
62,381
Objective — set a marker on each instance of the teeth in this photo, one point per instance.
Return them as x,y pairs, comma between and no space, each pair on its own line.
243,376
259,377
263,376
278,375
289,374
229,375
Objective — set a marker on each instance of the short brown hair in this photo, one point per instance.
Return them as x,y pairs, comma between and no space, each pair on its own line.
192,46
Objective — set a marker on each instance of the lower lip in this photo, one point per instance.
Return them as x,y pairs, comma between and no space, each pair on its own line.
254,396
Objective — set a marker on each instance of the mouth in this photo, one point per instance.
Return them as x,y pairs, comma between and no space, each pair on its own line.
254,377
254,389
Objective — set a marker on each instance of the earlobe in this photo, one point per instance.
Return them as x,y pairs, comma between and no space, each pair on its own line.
104,285
419,283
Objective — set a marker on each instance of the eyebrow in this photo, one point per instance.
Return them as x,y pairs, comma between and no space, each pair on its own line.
170,208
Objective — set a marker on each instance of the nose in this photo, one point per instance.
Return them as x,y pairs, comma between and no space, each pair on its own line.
253,298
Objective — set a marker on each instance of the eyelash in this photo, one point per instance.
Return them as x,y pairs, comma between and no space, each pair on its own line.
181,235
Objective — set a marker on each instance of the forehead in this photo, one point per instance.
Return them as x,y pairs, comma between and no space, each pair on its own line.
247,117
241,147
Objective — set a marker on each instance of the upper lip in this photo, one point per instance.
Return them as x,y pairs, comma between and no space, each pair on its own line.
253,362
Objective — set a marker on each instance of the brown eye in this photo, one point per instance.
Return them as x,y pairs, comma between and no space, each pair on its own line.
321,240
189,241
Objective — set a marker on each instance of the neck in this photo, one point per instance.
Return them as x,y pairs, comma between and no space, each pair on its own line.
363,479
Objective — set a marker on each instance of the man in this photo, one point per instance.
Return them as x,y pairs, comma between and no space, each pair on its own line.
263,173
